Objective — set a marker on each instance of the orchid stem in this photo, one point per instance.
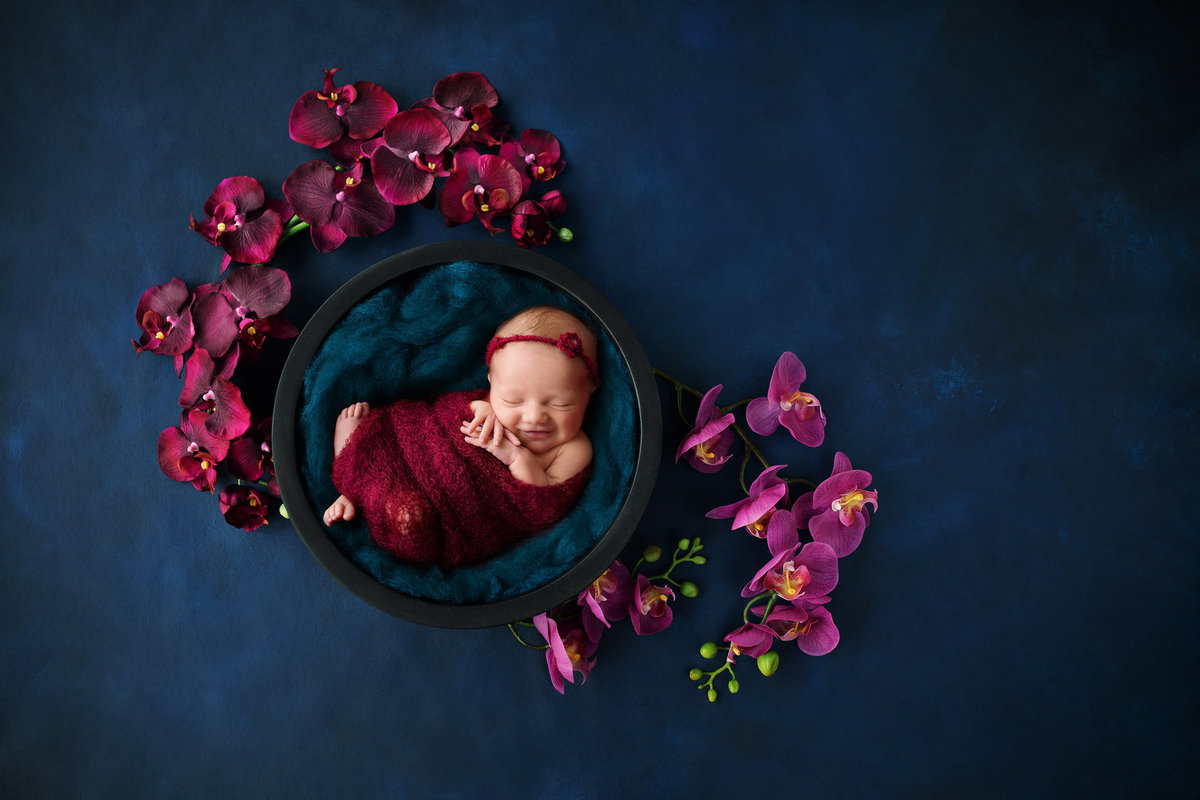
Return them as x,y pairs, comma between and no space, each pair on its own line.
753,600
516,635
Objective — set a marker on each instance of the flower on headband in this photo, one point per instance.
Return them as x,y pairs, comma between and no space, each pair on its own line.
570,343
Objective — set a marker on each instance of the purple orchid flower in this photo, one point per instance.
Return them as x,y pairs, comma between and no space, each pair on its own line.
480,185
227,416
244,507
340,117
798,411
537,156
411,152
531,219
463,102
249,457
709,444
337,203
240,219
165,316
794,572
606,600
754,513
752,639
189,452
810,625
839,507
243,310
567,654
649,611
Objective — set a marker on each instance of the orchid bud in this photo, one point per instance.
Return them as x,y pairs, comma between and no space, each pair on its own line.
689,589
708,650
700,560
684,544
712,695
695,674
565,235
768,662
733,686
283,511
652,553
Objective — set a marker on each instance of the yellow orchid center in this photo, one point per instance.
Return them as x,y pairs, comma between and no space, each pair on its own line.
704,451
797,398
540,169
204,464
475,126
253,501
651,597
350,182
849,504
250,330
159,335
759,526
431,165
792,582
221,227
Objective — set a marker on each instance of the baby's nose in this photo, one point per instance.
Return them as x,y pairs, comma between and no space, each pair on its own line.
534,414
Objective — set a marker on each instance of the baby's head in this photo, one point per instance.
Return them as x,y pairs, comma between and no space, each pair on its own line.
541,373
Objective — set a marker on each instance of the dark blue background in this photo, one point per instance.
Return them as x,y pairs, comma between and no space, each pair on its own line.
977,226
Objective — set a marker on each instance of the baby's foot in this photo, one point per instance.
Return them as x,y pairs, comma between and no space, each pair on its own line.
341,508
347,421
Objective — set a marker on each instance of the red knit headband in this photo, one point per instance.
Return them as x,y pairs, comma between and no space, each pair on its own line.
569,343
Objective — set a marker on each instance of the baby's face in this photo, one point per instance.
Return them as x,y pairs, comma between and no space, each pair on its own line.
539,394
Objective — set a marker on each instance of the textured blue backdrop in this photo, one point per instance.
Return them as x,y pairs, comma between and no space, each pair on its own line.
975,223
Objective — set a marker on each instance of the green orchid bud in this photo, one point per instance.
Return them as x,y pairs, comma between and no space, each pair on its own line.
689,589
652,553
695,674
712,695
684,544
565,235
283,511
708,650
699,560
734,686
768,662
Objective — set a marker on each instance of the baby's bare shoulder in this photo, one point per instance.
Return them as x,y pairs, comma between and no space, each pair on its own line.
572,457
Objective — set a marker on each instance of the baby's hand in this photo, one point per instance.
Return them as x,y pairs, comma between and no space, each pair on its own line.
499,441
482,424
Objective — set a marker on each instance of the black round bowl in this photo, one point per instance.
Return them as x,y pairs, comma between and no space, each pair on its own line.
288,446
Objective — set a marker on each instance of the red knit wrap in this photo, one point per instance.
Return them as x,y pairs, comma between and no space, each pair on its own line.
429,497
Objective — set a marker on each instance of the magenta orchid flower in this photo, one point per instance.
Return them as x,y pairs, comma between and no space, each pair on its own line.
537,156
567,654
463,102
226,415
649,609
709,444
810,625
531,219
249,457
794,573
164,314
480,185
606,600
337,203
839,513
340,117
243,310
409,155
754,513
785,404
189,452
752,639
241,220
244,507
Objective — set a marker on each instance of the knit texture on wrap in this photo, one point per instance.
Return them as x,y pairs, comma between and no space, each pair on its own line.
429,497
424,334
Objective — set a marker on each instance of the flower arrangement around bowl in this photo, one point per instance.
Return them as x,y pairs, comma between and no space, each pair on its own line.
383,158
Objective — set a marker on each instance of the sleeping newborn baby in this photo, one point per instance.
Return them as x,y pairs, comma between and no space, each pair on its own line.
461,478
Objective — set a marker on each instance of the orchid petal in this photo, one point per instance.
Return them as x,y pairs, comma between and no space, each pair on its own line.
781,532
369,109
465,89
263,291
244,192
216,324
309,190
397,179
822,635
762,415
786,377
313,123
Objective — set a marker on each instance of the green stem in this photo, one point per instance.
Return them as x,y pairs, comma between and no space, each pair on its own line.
517,636
753,600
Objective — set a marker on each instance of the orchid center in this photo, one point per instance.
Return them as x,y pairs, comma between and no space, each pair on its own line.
654,600
475,126
540,169
758,528
193,448
849,505
159,335
792,581
340,197
797,398
350,181
210,396
204,464
250,331
220,227
704,451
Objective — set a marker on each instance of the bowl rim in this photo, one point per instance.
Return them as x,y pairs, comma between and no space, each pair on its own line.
302,515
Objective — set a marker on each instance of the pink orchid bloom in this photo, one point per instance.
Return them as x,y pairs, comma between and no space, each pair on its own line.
649,611
190,452
244,507
752,639
709,444
810,625
606,600
409,155
567,654
785,404
839,513
349,113
794,573
226,415
754,513
241,220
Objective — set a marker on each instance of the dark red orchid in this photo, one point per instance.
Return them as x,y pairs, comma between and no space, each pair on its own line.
463,102
249,457
240,219
190,452
244,506
353,112
337,203
408,156
480,185
226,415
242,309
531,219
537,156
165,316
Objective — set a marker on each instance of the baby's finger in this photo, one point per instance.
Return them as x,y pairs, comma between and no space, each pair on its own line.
512,437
